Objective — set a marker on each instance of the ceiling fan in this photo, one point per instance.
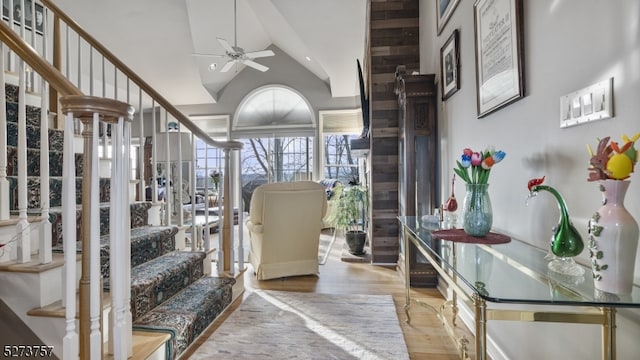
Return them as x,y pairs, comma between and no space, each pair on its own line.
236,54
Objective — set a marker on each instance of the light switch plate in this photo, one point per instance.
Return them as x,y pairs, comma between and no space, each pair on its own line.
592,103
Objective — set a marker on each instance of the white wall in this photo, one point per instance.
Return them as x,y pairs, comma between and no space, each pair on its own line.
569,44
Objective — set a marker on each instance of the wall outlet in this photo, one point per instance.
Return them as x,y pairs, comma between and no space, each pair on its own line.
592,103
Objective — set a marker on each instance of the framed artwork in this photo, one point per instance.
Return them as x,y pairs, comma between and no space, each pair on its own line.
444,10
499,54
450,66
28,14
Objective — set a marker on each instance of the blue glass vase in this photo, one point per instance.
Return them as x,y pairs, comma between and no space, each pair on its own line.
477,213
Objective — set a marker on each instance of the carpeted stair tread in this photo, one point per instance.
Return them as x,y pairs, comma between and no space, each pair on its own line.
33,162
138,211
55,191
187,314
147,242
158,279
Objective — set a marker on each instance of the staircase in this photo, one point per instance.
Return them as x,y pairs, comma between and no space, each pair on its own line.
170,292
85,268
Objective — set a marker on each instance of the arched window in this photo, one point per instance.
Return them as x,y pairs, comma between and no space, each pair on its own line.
274,107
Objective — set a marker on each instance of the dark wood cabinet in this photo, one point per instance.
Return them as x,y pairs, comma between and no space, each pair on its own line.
417,161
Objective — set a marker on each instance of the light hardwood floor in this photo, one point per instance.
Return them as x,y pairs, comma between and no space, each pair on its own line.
424,336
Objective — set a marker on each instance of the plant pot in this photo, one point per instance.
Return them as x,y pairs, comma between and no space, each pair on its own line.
355,241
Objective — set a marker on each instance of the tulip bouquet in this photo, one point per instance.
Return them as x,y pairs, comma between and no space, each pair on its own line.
480,164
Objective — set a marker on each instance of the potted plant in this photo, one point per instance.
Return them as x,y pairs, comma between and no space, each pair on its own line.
350,216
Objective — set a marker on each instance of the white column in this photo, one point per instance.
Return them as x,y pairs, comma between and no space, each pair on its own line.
70,348
22,228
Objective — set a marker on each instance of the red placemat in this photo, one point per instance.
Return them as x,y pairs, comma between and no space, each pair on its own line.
459,235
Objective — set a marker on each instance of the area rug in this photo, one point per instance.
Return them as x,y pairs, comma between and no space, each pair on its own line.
289,325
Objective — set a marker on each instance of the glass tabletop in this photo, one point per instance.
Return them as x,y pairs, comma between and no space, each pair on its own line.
513,272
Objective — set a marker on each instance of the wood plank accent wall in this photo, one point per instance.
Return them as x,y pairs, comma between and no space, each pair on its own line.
392,40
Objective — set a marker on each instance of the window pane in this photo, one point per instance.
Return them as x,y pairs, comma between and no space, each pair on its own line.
339,162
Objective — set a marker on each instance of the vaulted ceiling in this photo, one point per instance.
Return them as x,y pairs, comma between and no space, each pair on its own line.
156,38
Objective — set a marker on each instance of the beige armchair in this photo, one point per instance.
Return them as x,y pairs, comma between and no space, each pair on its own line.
284,224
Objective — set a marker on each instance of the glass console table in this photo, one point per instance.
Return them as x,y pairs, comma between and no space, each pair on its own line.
513,273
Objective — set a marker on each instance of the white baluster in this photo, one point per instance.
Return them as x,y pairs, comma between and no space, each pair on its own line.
178,187
117,258
196,236
154,155
126,235
207,240
238,192
95,287
4,183
230,213
45,225
70,348
141,143
22,228
168,198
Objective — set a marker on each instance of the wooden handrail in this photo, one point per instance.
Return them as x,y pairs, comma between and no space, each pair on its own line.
37,63
177,114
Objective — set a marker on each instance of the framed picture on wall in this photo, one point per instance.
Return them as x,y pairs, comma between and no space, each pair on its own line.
450,66
444,10
18,13
499,54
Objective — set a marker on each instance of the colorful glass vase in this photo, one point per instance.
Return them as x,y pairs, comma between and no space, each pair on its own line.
477,213
566,242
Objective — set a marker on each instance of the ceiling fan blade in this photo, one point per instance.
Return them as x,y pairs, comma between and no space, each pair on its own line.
228,66
259,54
226,46
255,65
209,55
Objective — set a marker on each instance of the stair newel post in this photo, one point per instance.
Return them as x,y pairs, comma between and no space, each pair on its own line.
4,183
70,341
44,246
226,214
22,228
89,110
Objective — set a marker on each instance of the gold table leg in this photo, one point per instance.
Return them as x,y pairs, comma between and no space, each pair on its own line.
481,327
609,333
